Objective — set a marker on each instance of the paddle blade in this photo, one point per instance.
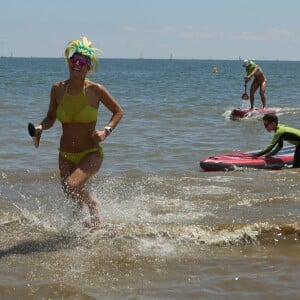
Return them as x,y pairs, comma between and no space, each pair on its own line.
245,96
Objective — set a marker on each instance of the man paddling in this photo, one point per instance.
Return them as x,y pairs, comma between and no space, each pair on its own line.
259,81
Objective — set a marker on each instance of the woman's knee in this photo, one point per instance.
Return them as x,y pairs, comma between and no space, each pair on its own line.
71,187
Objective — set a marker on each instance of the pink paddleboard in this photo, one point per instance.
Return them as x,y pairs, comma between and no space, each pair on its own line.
232,161
239,113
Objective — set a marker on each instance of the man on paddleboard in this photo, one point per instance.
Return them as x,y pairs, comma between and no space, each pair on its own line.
282,133
259,81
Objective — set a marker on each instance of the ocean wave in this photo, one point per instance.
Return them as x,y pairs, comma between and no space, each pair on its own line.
145,239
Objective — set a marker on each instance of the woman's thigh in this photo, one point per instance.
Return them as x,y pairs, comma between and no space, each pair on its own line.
77,175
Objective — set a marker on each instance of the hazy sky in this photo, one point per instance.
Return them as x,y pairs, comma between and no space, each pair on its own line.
188,29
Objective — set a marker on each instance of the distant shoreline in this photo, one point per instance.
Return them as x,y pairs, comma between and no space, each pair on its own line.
168,59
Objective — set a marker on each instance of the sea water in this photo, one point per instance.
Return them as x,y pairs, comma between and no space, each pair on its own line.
170,230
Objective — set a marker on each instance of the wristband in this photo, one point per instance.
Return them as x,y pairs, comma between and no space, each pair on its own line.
108,129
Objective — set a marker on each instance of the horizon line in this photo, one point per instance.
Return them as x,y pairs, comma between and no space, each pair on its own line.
139,58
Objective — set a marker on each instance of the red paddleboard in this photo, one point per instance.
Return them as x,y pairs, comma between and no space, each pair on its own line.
239,113
233,161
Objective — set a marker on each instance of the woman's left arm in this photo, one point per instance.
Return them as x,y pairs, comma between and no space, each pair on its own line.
111,104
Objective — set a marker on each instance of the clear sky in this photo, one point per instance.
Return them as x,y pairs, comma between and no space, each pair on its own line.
185,29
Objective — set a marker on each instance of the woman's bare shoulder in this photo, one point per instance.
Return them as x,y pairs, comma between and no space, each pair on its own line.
60,84
92,84
95,87
58,89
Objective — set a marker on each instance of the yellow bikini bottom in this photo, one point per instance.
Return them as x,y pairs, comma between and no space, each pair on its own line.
76,157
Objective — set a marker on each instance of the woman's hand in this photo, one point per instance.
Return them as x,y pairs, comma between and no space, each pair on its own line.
38,129
99,135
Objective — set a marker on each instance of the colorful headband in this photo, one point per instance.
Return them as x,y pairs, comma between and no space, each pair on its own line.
85,48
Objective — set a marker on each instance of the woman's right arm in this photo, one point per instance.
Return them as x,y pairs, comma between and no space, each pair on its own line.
248,77
50,118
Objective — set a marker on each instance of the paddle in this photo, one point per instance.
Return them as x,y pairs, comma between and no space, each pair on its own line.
245,95
35,136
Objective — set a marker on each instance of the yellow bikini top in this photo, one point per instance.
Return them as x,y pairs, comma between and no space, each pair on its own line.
76,109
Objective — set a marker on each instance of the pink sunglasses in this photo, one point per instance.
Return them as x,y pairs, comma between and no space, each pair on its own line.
81,61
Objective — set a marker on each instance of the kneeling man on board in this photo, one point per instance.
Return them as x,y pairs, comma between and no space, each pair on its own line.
282,133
